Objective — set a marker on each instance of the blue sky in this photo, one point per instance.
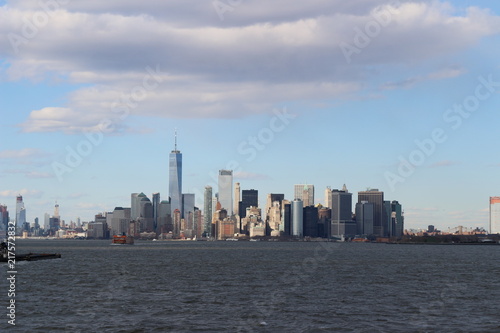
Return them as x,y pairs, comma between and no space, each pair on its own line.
221,82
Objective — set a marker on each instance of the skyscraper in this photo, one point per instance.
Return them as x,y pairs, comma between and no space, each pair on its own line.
304,192
226,190
156,207
175,178
4,217
297,218
207,210
237,198
494,215
377,198
248,198
20,212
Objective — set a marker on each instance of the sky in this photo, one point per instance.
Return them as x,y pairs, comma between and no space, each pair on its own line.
401,96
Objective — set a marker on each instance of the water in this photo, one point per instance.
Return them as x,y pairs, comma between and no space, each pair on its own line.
255,287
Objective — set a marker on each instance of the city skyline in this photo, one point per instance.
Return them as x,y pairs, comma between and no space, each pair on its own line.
372,94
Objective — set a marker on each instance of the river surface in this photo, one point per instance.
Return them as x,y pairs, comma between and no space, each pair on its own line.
185,286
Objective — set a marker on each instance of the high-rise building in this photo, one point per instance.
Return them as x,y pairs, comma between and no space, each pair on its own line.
271,199
175,178
377,198
341,201
286,217
207,210
328,197
119,220
56,211
226,190
393,214
164,218
188,201
237,198
249,198
4,217
20,212
135,205
156,207
364,218
494,215
310,221
304,192
297,218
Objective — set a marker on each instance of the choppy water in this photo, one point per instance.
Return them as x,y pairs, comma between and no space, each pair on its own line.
255,287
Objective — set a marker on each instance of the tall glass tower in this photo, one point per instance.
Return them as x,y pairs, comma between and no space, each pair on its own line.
175,178
226,190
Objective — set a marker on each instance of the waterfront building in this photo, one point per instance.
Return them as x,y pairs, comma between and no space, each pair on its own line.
207,210
310,221
248,198
145,219
188,202
164,218
175,178
237,199
271,199
4,217
364,218
341,201
286,218
393,212
297,215
324,222
377,198
225,184
119,220
494,215
156,206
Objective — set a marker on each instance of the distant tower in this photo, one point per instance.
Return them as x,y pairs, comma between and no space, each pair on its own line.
56,211
207,210
377,198
237,198
297,218
494,215
175,178
304,192
20,212
226,190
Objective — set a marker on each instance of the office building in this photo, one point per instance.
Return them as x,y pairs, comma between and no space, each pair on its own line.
175,178
393,212
20,212
119,220
297,218
225,183
305,193
188,201
207,210
310,221
237,199
494,215
364,218
156,206
377,198
249,198
4,217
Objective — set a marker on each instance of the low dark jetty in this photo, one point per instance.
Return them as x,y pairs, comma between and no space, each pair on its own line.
33,257
26,257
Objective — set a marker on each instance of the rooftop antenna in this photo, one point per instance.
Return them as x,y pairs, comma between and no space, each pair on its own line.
175,139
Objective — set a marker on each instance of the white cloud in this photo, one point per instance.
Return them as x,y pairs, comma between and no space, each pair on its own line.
23,192
261,54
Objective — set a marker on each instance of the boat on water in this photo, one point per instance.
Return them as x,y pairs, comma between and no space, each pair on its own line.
4,257
122,240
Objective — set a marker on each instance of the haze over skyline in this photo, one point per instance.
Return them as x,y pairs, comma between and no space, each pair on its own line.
324,92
